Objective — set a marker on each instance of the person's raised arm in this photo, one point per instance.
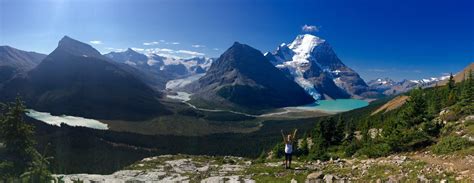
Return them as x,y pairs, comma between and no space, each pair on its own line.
294,134
283,135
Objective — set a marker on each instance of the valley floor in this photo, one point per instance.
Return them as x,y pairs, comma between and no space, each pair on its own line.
407,167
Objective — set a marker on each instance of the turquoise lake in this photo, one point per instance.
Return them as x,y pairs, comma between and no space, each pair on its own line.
338,105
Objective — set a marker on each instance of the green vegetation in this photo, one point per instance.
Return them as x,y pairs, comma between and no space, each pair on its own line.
19,160
428,115
450,144
417,124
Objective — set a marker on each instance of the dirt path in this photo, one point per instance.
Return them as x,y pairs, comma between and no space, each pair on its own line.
464,165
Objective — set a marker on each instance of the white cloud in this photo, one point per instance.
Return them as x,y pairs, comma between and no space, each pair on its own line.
216,49
198,46
95,42
190,52
167,50
310,28
138,49
161,41
151,43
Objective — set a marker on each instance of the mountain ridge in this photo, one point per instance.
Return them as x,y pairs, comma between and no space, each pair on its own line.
243,77
84,83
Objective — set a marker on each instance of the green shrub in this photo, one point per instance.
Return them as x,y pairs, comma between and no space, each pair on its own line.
278,150
450,144
350,149
375,150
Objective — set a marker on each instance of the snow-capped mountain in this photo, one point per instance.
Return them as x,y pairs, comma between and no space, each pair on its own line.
172,67
129,57
430,81
243,79
313,64
382,84
389,87
194,65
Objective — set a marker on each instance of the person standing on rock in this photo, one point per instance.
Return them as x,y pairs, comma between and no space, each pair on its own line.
288,140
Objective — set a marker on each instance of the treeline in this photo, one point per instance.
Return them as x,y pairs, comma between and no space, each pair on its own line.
19,159
413,126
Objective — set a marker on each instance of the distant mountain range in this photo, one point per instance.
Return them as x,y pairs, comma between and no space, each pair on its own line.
165,68
76,79
388,86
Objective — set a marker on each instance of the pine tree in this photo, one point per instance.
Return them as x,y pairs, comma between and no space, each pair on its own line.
318,149
451,82
452,98
20,157
467,94
415,111
434,105
18,139
339,134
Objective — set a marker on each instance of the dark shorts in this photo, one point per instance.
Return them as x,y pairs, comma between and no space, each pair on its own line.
288,156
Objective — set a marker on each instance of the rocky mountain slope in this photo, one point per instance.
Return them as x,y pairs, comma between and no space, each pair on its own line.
461,75
412,167
14,61
75,79
314,65
243,78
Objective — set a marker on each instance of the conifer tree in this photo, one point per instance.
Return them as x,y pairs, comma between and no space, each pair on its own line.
467,94
451,82
17,136
20,161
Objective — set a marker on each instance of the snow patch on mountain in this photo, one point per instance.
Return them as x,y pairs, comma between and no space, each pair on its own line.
180,83
296,57
430,80
303,46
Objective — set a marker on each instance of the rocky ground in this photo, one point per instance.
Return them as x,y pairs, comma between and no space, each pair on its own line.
409,167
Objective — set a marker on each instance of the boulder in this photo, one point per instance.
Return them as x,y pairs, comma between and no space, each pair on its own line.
315,175
329,178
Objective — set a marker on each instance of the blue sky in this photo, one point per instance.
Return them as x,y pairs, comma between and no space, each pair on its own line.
398,39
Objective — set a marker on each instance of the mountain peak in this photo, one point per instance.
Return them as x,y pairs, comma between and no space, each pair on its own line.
243,76
66,40
65,37
77,48
236,43
305,43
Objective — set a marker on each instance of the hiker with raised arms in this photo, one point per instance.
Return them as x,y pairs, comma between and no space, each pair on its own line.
289,141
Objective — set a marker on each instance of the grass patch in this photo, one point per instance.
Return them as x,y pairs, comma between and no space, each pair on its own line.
380,172
263,173
450,144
